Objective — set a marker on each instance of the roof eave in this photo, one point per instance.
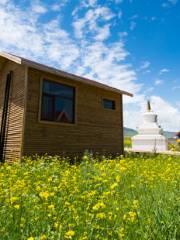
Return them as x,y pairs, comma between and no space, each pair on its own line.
11,57
72,76
61,73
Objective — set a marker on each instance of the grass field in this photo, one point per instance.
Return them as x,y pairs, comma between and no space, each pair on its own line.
136,197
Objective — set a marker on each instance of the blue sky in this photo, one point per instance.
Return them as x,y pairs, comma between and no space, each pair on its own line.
129,44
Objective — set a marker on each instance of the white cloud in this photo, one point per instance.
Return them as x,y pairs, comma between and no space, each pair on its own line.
169,116
118,1
176,88
3,2
38,7
120,14
89,3
169,3
57,6
90,22
178,104
145,65
103,33
35,40
123,34
165,5
92,2
153,19
90,56
84,5
164,70
148,91
158,82
133,110
132,25
135,16
50,44
104,64
174,2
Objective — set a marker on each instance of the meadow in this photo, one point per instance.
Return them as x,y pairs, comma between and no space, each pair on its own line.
132,197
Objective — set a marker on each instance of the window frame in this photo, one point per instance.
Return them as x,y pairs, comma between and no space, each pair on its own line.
109,99
53,80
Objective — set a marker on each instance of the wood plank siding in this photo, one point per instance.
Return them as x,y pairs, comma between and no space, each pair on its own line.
15,116
95,128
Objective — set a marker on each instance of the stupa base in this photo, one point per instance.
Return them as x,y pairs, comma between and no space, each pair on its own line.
149,143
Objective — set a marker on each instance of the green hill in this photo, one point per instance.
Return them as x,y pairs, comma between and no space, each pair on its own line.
169,134
129,132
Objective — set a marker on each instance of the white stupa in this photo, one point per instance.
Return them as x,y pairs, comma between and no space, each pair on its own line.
150,135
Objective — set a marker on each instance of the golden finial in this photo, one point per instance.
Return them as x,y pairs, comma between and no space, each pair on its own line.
148,106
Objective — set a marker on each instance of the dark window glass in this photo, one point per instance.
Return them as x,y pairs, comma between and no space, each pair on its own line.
57,102
109,104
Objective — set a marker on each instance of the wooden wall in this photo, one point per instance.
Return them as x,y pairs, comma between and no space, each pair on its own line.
15,118
96,128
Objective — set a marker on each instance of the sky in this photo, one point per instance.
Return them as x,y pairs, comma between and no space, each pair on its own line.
133,45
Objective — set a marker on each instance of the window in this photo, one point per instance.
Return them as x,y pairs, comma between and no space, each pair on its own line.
109,104
58,102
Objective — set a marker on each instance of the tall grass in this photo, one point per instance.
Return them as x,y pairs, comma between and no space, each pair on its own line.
124,198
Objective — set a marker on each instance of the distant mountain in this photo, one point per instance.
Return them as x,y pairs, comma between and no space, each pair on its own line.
129,132
169,134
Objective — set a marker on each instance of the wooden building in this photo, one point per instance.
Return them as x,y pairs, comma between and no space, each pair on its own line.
45,110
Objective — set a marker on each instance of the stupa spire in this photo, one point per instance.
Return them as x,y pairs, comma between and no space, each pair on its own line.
149,106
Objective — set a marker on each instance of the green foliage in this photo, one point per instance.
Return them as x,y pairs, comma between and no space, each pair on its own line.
174,147
127,142
136,197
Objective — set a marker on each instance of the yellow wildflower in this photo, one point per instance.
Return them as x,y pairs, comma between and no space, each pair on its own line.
106,193
110,214
117,178
50,179
17,206
56,225
123,169
44,195
69,234
99,205
43,237
51,207
113,186
38,188
100,215
125,216
135,204
121,233
132,216
31,238
83,238
13,199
